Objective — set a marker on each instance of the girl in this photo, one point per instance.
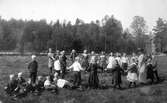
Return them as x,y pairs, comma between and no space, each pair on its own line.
132,73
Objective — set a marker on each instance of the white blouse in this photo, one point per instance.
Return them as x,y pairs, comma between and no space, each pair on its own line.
57,65
76,66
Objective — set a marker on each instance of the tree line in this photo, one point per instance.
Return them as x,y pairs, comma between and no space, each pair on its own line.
99,35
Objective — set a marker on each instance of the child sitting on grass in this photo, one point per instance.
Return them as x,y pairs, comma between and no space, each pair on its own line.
11,86
21,83
62,83
29,88
40,84
49,86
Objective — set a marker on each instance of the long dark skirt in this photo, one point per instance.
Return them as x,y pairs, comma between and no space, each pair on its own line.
93,80
150,72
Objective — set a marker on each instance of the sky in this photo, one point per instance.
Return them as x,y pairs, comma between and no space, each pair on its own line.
87,10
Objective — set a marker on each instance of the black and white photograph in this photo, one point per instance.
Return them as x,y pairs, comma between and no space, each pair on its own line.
83,51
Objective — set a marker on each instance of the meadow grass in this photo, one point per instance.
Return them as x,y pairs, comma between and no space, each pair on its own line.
156,93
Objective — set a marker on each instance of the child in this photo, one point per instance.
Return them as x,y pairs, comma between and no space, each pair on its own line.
155,71
132,73
40,84
49,86
21,83
76,67
116,72
20,80
102,61
33,69
62,83
29,86
11,86
124,61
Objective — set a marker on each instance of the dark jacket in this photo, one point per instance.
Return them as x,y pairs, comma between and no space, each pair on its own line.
63,59
33,66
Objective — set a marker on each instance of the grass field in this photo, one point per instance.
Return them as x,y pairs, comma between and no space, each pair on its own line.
156,93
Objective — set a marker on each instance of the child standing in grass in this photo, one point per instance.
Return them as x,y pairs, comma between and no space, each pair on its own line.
76,68
117,72
33,69
132,73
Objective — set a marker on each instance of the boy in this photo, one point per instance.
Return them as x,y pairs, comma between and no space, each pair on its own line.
11,86
76,68
33,68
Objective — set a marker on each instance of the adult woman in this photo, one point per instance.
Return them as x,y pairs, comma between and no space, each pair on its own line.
102,61
116,72
111,61
85,62
93,80
142,68
50,60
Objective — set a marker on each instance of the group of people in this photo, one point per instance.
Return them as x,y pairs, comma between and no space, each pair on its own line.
136,68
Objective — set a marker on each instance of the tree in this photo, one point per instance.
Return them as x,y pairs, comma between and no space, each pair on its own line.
139,30
160,32
112,29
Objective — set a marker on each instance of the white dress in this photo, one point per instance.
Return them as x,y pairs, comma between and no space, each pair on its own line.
132,76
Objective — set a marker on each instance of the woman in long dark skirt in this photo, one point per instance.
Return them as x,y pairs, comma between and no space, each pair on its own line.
117,71
93,80
149,68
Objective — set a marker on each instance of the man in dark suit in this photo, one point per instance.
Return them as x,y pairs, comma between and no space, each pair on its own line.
33,69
